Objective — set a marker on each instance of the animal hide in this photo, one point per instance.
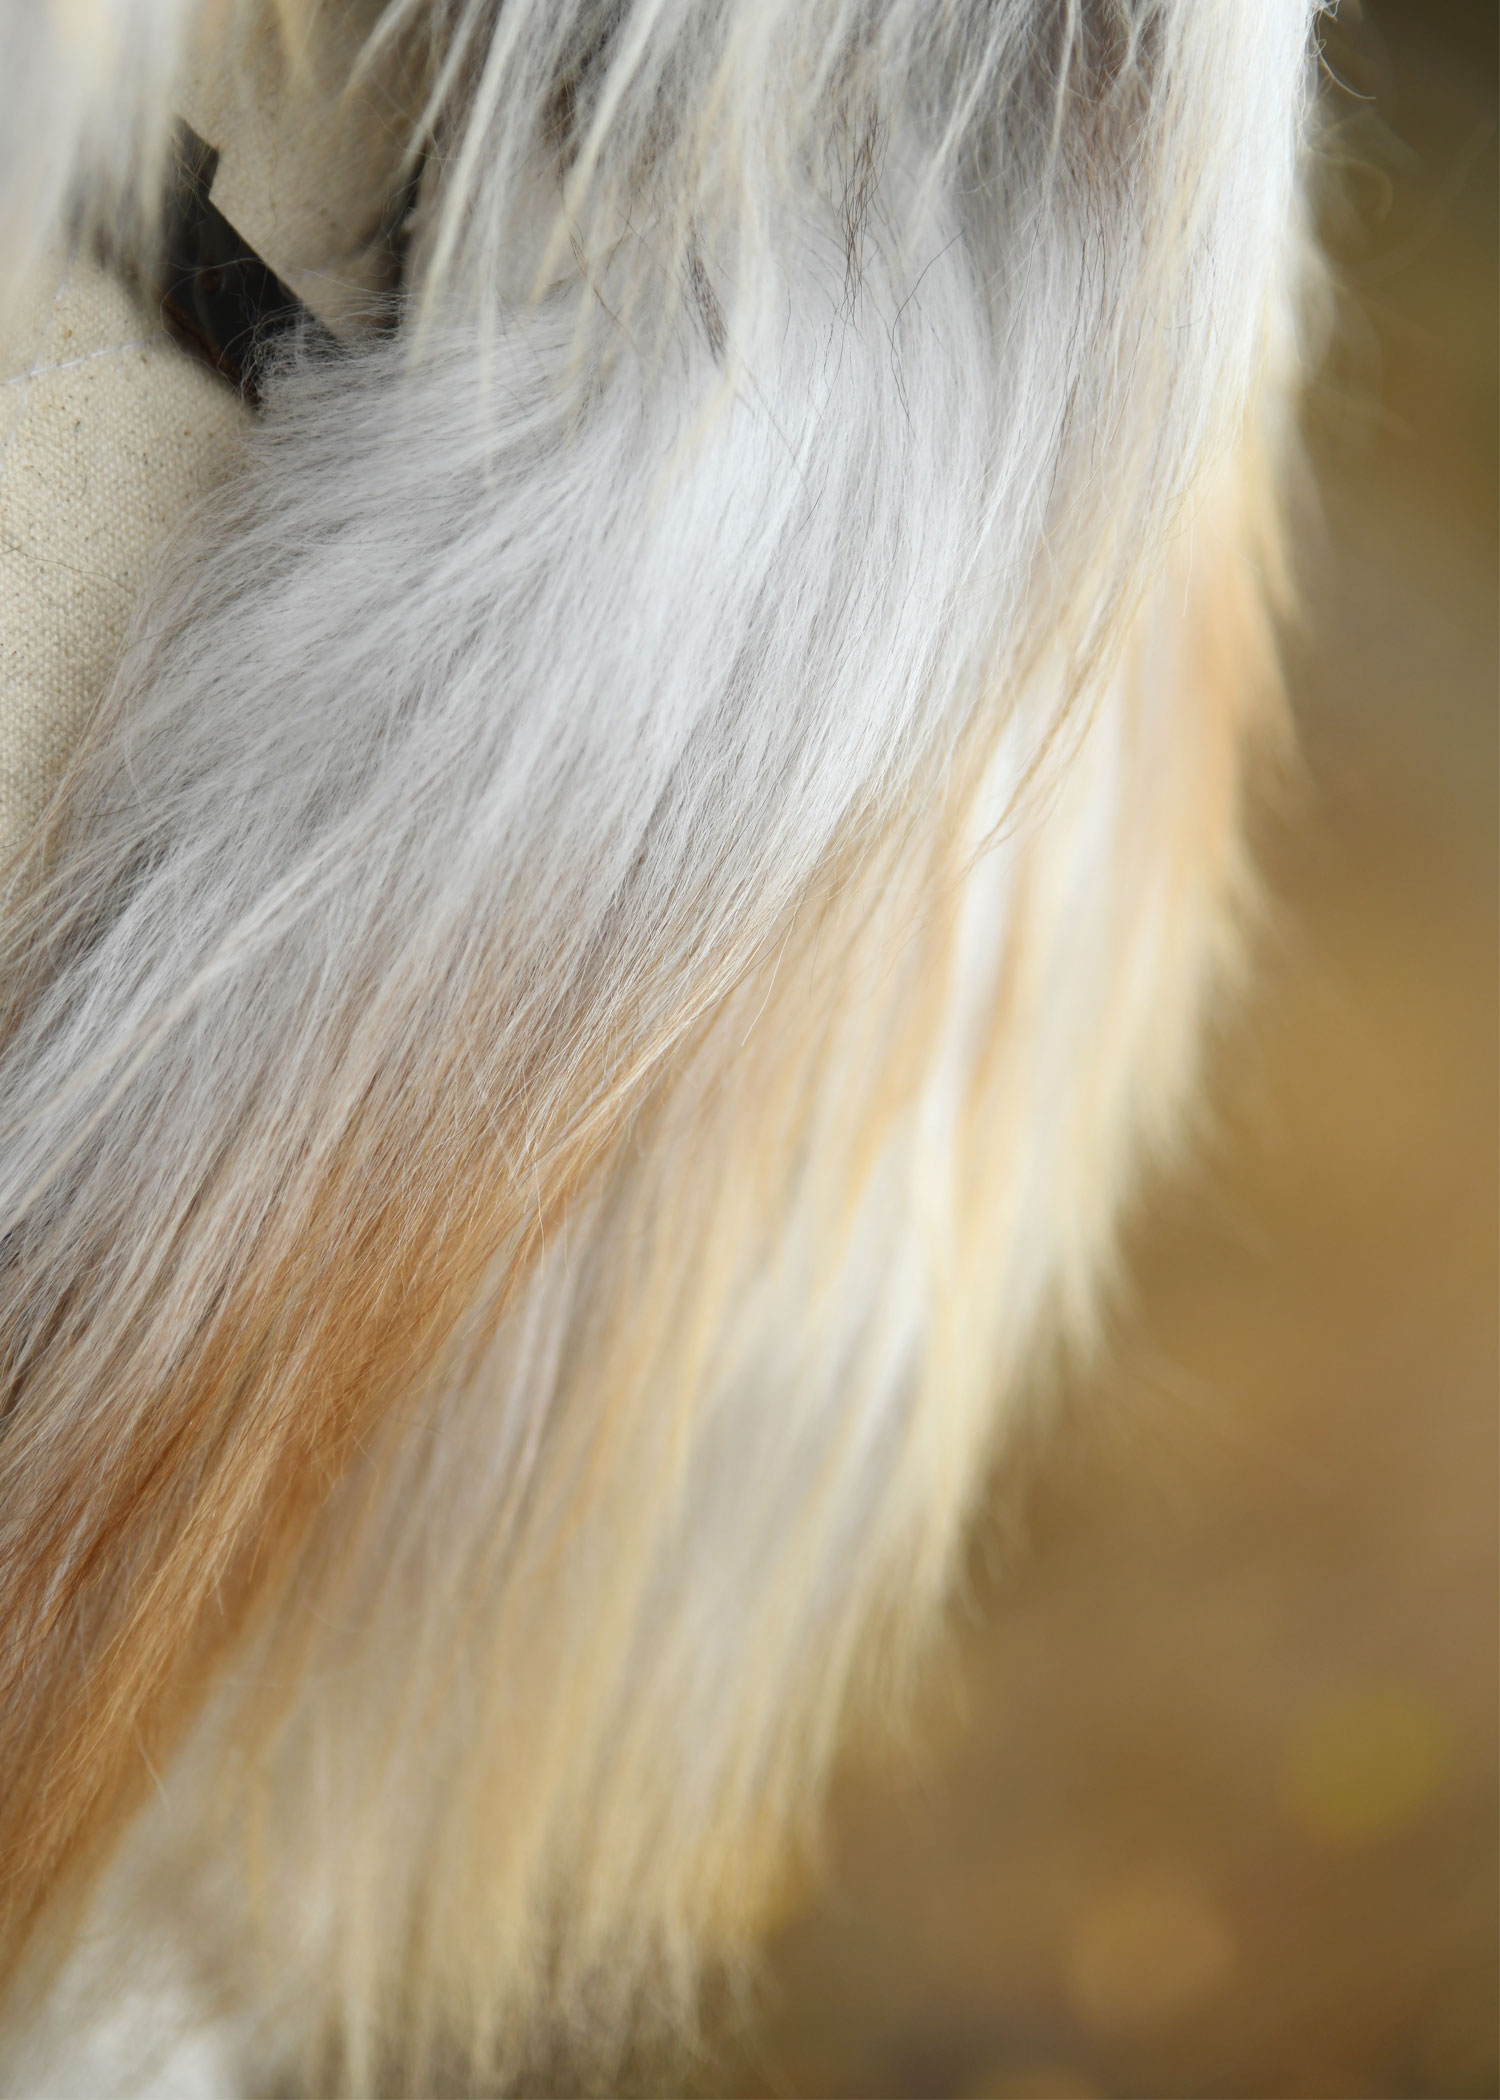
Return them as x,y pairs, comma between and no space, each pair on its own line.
650,872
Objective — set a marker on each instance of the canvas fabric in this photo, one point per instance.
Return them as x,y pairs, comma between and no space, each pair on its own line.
111,432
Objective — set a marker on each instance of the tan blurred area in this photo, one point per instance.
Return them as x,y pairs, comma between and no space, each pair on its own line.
1216,1813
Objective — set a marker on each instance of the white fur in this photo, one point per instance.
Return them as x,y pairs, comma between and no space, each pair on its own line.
85,96
750,529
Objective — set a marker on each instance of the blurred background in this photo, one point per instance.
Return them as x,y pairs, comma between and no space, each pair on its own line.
1206,1799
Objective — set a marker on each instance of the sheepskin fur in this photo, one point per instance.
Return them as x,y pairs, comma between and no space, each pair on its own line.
649,875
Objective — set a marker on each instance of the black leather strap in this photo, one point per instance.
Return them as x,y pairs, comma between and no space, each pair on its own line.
216,294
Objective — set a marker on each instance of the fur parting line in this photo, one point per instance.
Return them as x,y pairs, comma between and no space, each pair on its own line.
642,889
